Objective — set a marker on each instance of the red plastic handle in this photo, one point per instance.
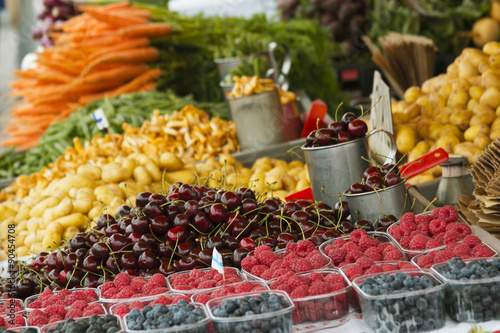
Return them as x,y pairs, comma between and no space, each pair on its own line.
318,110
306,194
424,163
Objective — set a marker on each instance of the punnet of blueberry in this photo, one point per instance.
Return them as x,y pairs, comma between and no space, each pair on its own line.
190,317
98,324
24,330
472,289
401,302
267,312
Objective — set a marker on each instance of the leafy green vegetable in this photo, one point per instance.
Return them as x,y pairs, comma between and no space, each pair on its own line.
129,108
440,20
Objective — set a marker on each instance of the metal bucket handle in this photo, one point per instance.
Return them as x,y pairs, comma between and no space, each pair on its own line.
282,75
392,154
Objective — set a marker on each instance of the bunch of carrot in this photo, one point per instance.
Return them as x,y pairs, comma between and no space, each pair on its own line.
102,52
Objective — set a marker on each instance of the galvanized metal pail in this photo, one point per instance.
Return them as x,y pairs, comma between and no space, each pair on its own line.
258,120
333,169
393,200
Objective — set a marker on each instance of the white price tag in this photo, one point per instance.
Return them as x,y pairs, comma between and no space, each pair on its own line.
100,119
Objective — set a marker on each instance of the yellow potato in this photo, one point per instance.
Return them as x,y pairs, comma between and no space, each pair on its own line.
482,141
54,227
65,207
92,172
142,176
491,48
475,56
421,148
76,220
33,224
447,142
95,212
70,232
20,238
489,79
474,131
483,118
23,251
480,108
458,98
154,171
400,118
435,129
274,182
51,241
405,138
466,69
258,181
302,184
43,205
289,183
494,134
295,164
443,118
129,164
446,91
6,212
112,173
471,104
185,176
491,97
461,119
170,162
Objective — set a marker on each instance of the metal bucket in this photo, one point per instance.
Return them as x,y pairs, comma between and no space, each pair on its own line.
258,120
333,169
393,200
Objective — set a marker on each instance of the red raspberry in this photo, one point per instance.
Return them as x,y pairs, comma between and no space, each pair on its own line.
277,265
337,254
352,270
313,310
333,310
162,300
356,235
353,256
443,256
302,265
75,296
482,251
435,213
106,286
36,305
388,247
300,292
267,258
248,263
350,246
196,273
73,313
448,213
388,267
290,247
158,291
365,263
261,249
55,310
91,295
319,261
425,261
2,322
374,254
461,228
339,242
416,232
407,225
244,287
336,287
179,278
296,281
472,241
439,237
423,219
268,274
122,280
207,284
451,237
397,232
461,249
158,279
284,287
121,310
304,247
279,272
393,255
79,305
408,217
373,270
424,227
436,226
405,242
54,319
46,294
418,242
138,283
258,270
291,256
316,277
366,242
179,298
63,293
298,316
312,254
333,278
319,288
432,243
38,321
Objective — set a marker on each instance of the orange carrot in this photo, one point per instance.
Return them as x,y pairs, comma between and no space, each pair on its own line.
135,12
138,82
68,68
115,19
125,45
45,74
21,141
123,72
147,87
101,41
144,54
28,145
111,6
146,30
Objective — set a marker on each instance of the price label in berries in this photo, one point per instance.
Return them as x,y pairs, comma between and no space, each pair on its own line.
100,119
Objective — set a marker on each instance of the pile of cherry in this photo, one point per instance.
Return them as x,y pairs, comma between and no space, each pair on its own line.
347,129
375,178
177,232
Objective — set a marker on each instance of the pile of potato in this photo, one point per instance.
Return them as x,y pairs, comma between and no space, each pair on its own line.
457,111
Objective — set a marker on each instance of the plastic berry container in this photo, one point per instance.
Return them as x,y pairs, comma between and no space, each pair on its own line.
9,304
204,296
354,294
250,276
9,317
200,326
67,309
146,301
31,299
382,237
53,326
189,290
416,311
25,329
475,300
280,320
321,311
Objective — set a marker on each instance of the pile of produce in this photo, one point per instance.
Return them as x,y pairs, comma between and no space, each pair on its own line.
133,109
54,13
344,19
457,111
103,52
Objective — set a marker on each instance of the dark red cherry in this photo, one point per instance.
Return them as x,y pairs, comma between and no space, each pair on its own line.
369,171
165,269
248,244
140,224
202,223
139,248
187,263
270,206
245,193
186,192
147,260
104,220
181,220
191,208
165,249
123,211
343,137
346,227
160,225
77,242
392,179
91,264
94,238
373,182
357,188
158,198
142,199
112,229
230,200
337,126
218,212
342,210
290,207
183,249
348,117
151,240
128,261
153,210
214,242
178,234
118,242
286,237
238,255
357,128
134,237
268,241
363,224
71,261
231,243
325,137
112,264
311,138
100,250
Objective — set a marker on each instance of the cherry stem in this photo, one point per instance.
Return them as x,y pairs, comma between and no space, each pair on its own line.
128,196
69,280
83,278
430,204
363,113
337,110
292,151
202,233
173,251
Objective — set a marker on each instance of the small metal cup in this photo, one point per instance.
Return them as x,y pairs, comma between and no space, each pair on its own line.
258,119
338,166
393,200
